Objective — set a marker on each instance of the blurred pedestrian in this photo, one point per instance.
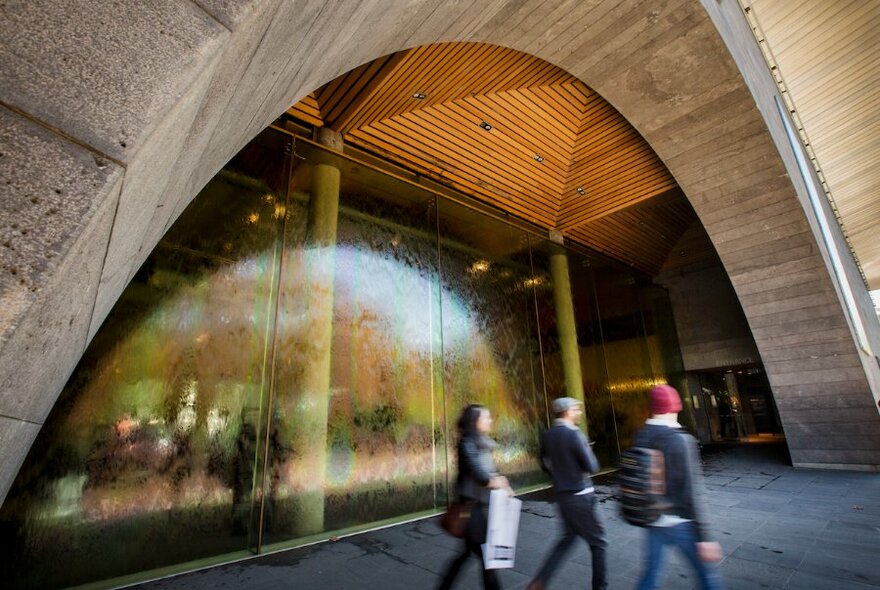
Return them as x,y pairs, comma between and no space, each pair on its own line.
567,457
681,524
477,476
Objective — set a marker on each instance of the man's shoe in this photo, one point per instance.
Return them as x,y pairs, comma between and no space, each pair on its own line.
536,585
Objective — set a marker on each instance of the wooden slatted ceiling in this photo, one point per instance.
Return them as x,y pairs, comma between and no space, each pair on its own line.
614,165
308,110
535,109
640,236
446,141
829,58
443,72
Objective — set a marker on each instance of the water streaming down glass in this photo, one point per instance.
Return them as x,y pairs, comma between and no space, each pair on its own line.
190,430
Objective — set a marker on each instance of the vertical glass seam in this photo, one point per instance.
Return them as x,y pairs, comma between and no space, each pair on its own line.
442,347
276,280
540,340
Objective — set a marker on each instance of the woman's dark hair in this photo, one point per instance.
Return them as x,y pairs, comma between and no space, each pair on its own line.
467,422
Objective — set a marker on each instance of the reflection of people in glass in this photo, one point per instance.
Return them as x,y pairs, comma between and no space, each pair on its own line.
124,448
728,413
724,415
243,464
476,476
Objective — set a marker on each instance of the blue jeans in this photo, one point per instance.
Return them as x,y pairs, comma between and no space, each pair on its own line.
684,537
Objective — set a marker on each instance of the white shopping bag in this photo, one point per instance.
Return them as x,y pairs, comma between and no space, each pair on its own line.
500,547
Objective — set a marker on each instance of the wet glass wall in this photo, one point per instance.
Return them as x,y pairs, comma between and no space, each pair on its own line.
286,366
491,353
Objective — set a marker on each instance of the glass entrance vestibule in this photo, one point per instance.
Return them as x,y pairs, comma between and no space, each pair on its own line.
290,360
734,404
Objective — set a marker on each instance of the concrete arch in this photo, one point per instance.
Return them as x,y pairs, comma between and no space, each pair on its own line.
112,120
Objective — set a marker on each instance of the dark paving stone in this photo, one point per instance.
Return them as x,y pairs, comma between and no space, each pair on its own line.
722,498
751,482
773,553
762,505
787,485
844,561
805,580
794,526
750,575
831,492
793,542
815,509
718,480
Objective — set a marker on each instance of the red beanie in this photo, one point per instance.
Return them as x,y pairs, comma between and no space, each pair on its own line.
665,400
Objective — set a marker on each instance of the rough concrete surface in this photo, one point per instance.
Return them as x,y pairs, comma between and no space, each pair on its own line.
103,72
144,205
16,437
48,189
53,238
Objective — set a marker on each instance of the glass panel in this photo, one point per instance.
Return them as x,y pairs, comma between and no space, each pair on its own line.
625,346
490,341
278,370
598,410
360,409
666,361
148,458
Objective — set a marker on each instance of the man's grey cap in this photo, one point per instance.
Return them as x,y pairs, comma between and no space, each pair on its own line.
563,404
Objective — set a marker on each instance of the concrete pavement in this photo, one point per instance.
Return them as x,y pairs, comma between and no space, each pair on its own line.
779,528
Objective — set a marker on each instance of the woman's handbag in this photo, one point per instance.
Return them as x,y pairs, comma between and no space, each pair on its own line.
456,518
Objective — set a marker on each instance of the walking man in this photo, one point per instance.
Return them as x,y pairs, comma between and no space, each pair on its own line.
568,458
681,525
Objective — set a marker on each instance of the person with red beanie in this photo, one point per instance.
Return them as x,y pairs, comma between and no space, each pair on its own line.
682,525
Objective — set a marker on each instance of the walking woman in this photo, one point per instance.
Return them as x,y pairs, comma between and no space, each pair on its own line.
476,477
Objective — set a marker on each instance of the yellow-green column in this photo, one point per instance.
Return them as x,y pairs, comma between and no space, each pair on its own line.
566,326
314,401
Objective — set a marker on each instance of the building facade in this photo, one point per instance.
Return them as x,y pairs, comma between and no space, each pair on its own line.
108,136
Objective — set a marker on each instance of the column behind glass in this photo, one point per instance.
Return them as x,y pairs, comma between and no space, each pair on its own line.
359,444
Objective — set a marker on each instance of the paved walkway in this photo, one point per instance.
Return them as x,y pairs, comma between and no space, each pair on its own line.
779,527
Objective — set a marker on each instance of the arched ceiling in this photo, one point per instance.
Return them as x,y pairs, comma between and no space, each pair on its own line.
517,132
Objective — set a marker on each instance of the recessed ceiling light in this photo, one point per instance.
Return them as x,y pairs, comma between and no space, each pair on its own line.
580,190
485,126
539,158
419,95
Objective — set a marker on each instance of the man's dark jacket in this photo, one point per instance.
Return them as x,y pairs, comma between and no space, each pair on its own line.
567,457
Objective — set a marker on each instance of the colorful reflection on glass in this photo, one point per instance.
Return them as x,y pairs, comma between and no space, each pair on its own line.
274,373
490,350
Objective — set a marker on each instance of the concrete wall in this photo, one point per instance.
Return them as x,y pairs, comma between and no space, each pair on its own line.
114,116
712,330
825,384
